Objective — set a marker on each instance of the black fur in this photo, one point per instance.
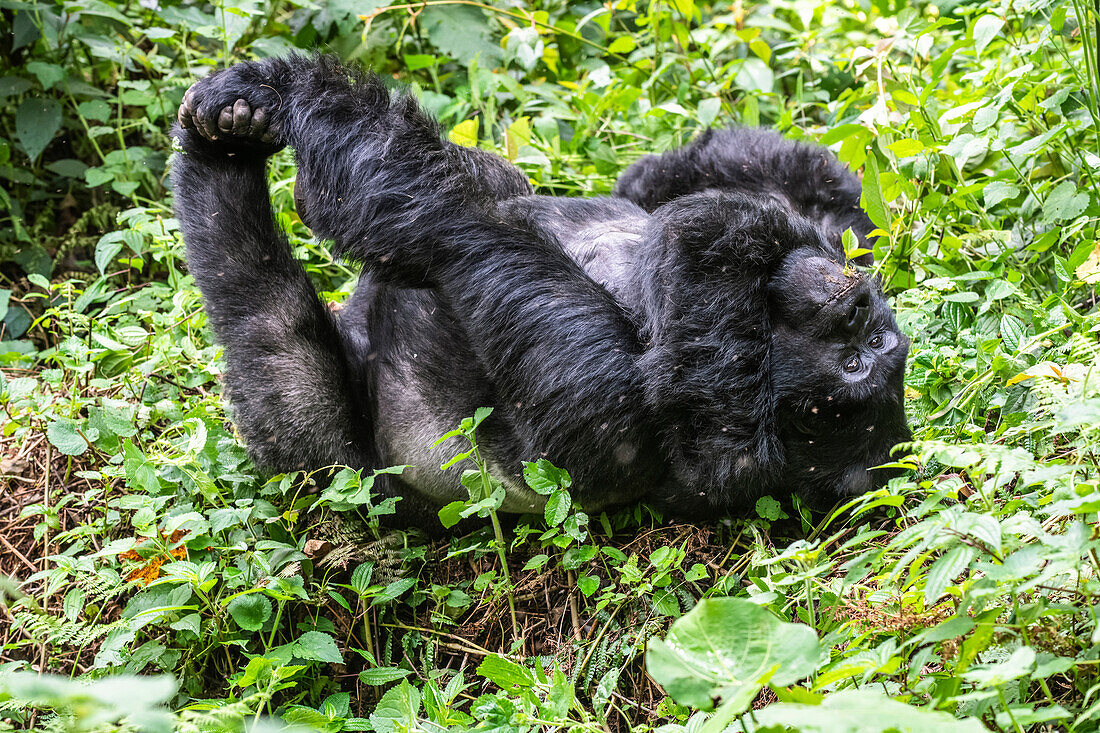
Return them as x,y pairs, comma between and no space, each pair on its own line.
693,354
807,178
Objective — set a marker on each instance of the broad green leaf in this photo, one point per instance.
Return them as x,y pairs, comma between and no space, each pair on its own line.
544,477
588,584
944,571
622,44
94,109
36,122
557,508
860,711
505,673
64,436
999,191
1013,332
1018,665
999,290
382,675
1089,270
48,74
768,508
1064,203
251,611
871,199
708,110
461,32
905,147
464,133
986,29
397,711
317,646
726,647
451,514
361,577
252,671
73,604
480,414
106,250
393,591
755,76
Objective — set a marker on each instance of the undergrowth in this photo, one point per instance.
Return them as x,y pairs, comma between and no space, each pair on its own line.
163,583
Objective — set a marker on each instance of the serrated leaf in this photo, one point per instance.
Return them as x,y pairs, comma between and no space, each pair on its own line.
64,436
382,675
944,571
393,591
361,577
557,507
480,414
543,477
461,32
1013,332
505,673
397,711
317,646
998,191
251,611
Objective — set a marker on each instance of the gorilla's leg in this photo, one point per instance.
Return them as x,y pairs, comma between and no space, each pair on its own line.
808,178
286,373
559,352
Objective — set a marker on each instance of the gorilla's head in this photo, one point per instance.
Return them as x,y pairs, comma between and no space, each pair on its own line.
777,367
838,363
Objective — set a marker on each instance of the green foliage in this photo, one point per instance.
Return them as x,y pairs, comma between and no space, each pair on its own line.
730,648
962,595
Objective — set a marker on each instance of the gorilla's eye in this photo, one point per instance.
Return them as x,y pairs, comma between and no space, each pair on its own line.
852,365
875,341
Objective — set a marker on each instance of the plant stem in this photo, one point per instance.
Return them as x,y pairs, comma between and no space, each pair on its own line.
487,489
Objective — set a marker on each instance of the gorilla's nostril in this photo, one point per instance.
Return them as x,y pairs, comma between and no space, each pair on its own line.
857,315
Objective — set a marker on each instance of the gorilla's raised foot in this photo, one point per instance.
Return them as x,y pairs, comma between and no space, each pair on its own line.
238,123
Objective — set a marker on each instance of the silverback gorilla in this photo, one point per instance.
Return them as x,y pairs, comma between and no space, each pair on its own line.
695,340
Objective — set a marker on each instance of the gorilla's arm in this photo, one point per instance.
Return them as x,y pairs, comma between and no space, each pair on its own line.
286,370
561,354
808,178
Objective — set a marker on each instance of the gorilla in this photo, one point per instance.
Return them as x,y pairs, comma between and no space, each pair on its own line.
695,340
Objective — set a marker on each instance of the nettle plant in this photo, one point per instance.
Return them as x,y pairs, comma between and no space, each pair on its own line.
962,596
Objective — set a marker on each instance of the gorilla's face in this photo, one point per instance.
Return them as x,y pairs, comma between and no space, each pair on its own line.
838,362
